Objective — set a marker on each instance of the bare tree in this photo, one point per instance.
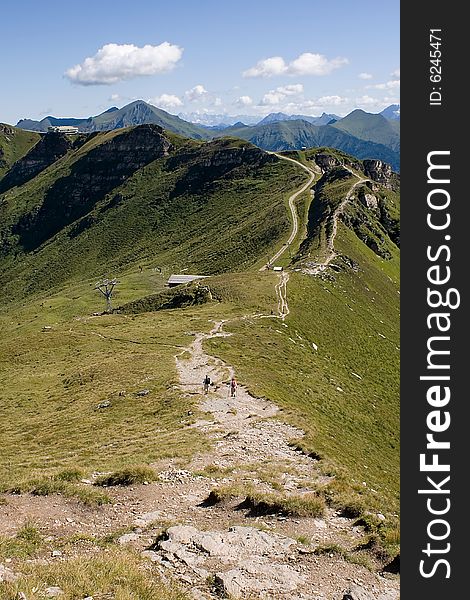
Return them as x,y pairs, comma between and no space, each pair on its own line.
106,287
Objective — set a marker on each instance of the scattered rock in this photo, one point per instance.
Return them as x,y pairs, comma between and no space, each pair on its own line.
7,574
152,556
104,404
380,516
53,592
147,518
128,537
56,553
174,475
143,393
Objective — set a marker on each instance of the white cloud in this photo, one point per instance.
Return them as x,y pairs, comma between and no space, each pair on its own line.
118,62
395,74
217,101
365,76
389,85
166,101
267,68
277,96
196,93
314,64
291,90
244,101
331,101
305,64
114,97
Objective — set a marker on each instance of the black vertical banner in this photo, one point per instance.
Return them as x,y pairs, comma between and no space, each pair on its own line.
435,177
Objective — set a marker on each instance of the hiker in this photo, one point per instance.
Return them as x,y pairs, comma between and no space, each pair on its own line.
206,383
233,387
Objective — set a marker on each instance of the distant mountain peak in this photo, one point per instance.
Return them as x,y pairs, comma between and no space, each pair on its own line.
392,112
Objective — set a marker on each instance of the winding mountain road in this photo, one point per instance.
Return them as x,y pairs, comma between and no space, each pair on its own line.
295,218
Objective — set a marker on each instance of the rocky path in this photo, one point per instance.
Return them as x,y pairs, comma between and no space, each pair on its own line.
223,549
216,543
331,254
239,553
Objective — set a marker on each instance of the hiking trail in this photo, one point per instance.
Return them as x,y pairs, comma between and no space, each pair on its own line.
213,546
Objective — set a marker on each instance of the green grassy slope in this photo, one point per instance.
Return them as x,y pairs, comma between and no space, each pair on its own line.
208,208
14,143
332,366
371,127
294,135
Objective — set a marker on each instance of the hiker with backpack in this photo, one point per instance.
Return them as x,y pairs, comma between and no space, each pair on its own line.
233,387
206,383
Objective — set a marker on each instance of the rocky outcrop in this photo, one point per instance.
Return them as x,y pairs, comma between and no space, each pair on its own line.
368,200
91,177
326,161
378,171
6,129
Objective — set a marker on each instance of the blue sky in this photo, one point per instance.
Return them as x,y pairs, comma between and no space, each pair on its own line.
243,57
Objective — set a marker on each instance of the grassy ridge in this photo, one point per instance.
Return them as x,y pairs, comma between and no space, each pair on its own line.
210,208
14,144
332,367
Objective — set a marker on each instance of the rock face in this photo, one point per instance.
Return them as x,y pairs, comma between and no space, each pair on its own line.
91,178
369,200
326,161
378,171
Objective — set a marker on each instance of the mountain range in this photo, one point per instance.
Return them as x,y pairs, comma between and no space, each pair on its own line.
362,134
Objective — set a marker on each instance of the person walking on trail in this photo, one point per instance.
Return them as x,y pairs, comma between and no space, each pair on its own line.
233,387
206,383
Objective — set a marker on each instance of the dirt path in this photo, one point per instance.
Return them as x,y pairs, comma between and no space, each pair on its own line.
230,547
331,253
281,293
295,219
225,548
